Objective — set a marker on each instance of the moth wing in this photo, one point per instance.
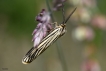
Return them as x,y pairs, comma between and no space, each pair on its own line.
45,43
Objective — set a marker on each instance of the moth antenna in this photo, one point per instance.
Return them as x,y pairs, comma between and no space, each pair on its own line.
63,13
70,15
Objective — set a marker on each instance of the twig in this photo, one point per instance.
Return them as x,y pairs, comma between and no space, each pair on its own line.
59,49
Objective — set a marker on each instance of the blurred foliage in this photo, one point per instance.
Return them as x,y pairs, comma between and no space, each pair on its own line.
21,15
17,18
101,5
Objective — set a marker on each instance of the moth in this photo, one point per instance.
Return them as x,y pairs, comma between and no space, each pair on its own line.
57,32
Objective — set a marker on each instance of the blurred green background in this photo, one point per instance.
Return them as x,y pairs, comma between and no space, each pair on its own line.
17,21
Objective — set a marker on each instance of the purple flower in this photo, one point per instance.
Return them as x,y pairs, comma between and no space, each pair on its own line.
43,28
57,4
99,21
90,65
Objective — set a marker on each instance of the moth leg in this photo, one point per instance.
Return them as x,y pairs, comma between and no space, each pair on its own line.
56,24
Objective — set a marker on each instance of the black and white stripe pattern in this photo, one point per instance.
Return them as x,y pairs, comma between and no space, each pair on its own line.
56,33
33,53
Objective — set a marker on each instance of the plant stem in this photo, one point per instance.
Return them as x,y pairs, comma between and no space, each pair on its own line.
59,49
61,56
49,9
